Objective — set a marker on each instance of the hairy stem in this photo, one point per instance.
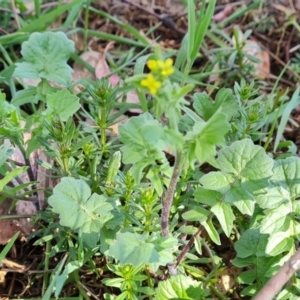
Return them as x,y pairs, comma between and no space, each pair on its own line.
167,203
168,199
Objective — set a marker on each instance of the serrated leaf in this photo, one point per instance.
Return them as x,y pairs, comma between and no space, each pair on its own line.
252,242
245,170
204,137
225,216
62,103
46,56
77,208
284,184
205,107
180,287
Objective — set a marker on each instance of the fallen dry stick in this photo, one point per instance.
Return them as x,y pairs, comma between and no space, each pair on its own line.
275,284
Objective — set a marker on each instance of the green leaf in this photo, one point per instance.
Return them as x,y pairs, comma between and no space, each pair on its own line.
46,56
5,153
225,216
62,103
143,139
198,214
28,95
10,176
78,209
284,184
279,242
204,137
252,242
131,248
212,232
245,171
206,108
180,287
277,219
207,197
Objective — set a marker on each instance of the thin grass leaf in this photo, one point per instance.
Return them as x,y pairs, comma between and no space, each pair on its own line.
293,103
8,246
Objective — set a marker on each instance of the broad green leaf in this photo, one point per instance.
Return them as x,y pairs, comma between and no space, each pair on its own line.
46,56
198,214
246,160
224,214
207,197
132,248
78,209
205,106
180,287
204,137
245,171
277,219
279,242
135,249
62,103
252,242
143,139
284,184
29,95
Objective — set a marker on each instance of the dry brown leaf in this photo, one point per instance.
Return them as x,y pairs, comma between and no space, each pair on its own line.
223,14
262,69
227,279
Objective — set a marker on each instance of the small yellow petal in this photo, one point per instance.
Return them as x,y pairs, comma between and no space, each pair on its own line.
152,64
169,62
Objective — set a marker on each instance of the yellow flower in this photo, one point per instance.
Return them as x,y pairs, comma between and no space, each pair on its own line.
164,68
150,83
167,68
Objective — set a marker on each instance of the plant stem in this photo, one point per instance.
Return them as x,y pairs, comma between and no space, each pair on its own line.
46,268
168,200
167,203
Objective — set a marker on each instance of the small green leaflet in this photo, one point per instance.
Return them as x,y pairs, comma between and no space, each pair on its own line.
78,209
62,103
45,56
206,108
181,287
5,153
204,137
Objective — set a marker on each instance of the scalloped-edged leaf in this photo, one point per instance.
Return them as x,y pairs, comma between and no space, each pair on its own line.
143,139
78,209
62,103
252,242
245,170
136,249
46,56
180,287
205,107
204,137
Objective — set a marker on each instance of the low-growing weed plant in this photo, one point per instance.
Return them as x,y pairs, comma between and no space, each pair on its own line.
142,200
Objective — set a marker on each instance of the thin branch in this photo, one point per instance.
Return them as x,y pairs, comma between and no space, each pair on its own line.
275,284
167,203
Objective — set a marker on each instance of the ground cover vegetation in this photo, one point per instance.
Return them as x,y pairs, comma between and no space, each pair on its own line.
161,165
